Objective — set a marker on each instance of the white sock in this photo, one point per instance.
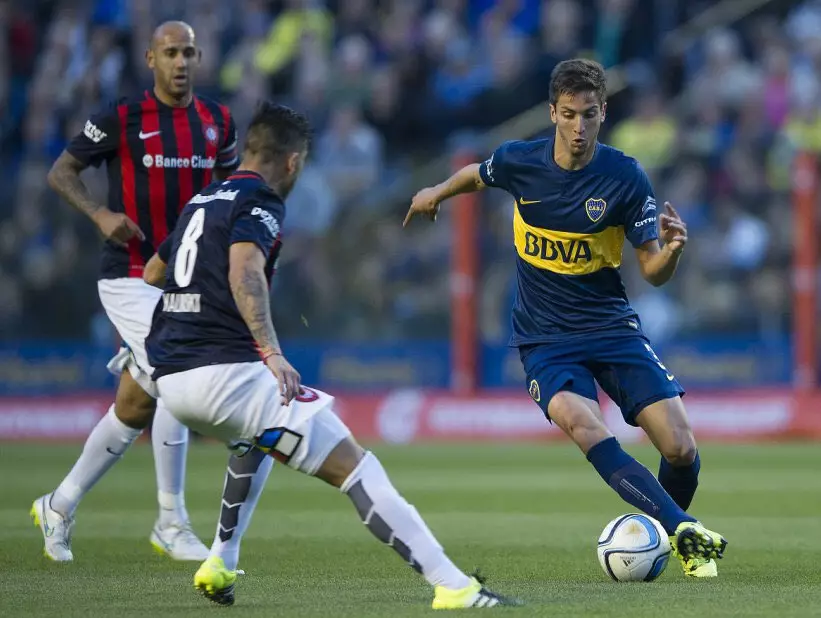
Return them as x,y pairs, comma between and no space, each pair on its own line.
104,447
169,439
395,522
244,480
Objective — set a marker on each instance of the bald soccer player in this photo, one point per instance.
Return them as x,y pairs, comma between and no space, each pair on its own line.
160,150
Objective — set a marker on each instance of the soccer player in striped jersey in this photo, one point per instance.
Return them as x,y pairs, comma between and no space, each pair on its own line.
160,149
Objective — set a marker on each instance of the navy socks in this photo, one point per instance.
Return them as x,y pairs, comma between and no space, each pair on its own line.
635,484
680,482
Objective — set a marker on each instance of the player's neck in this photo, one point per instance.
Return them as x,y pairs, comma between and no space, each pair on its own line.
171,101
266,172
568,161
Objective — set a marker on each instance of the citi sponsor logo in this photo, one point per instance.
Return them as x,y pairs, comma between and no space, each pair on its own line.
644,222
196,162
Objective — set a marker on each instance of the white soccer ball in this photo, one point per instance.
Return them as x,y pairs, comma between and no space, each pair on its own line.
634,548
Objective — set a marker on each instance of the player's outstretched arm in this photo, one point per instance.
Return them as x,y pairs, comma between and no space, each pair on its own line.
246,276
426,202
658,264
154,273
64,178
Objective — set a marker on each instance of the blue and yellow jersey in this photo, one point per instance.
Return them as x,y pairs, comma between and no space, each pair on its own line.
569,229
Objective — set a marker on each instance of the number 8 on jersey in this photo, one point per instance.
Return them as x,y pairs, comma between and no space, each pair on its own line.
187,252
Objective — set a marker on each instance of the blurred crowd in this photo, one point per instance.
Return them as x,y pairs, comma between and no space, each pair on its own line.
393,84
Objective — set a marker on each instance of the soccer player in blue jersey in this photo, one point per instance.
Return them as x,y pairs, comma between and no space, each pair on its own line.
576,200
219,367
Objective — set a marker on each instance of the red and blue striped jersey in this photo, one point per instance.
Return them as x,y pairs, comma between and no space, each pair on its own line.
157,157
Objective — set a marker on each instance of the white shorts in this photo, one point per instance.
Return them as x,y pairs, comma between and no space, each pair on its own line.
129,303
240,403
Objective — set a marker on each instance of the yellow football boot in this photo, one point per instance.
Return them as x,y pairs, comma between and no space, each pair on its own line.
698,548
474,595
696,566
215,582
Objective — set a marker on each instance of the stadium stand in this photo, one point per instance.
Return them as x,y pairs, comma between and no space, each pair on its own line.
389,84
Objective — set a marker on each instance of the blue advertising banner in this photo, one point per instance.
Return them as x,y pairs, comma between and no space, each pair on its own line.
358,367
38,369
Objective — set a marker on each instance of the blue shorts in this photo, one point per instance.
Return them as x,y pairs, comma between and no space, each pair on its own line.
623,363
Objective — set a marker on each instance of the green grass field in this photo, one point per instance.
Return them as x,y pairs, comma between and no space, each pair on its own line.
528,515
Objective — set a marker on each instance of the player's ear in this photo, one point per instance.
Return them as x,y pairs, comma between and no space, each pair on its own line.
292,164
552,113
149,58
603,111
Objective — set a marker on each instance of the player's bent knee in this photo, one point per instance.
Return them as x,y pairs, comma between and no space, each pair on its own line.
133,406
564,405
667,425
682,449
341,462
578,420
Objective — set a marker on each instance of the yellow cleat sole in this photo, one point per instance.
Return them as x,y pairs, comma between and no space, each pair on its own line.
692,542
158,549
223,597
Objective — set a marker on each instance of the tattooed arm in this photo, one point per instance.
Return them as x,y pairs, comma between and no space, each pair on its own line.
246,276
64,178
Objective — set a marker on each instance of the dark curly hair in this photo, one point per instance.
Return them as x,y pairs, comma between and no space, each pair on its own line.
277,130
575,76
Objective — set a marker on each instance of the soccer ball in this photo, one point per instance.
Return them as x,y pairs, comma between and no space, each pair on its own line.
633,548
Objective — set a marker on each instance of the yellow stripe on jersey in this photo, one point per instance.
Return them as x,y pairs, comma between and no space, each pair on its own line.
567,253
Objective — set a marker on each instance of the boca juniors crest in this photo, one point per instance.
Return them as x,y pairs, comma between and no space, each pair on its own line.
534,391
210,132
595,207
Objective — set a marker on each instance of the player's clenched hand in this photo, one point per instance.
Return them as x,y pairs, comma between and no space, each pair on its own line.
673,229
425,203
287,376
117,227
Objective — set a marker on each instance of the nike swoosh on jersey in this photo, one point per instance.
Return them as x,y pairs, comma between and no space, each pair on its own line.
525,202
174,443
671,377
147,135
